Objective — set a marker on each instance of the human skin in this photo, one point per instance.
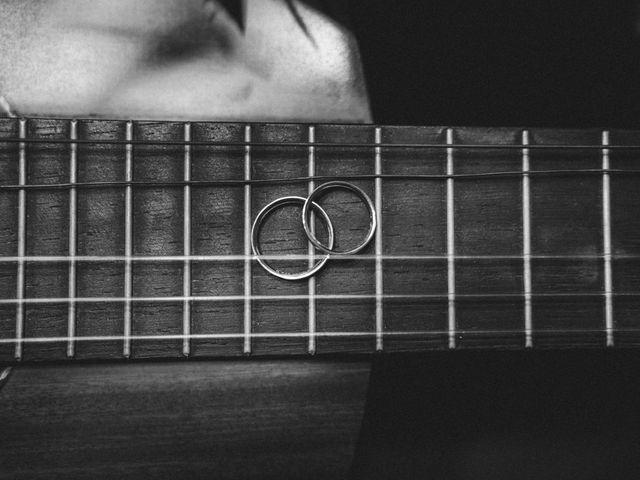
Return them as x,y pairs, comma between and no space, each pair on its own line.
178,59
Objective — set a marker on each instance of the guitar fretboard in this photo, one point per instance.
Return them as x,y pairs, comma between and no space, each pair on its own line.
125,239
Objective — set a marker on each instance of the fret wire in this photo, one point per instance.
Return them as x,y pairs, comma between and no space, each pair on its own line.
311,249
451,279
526,242
461,146
606,236
236,298
73,225
22,232
187,257
418,333
247,242
128,242
186,275
378,244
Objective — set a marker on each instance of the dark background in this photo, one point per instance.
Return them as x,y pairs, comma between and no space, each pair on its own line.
535,63
494,415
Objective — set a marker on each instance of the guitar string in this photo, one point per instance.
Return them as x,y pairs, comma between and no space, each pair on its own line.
304,297
596,172
288,257
491,296
296,257
305,334
320,145
488,334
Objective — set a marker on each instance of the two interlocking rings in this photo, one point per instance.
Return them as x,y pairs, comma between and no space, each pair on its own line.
309,205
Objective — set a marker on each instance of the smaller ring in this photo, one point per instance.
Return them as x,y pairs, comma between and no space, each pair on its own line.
306,215
255,233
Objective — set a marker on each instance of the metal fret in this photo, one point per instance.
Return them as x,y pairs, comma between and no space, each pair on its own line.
311,251
186,275
73,240
606,236
526,242
396,314
378,245
128,241
247,242
451,268
22,240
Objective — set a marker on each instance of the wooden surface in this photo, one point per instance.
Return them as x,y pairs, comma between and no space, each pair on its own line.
319,402
487,281
243,419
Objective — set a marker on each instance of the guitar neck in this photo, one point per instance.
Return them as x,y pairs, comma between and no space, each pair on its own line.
126,239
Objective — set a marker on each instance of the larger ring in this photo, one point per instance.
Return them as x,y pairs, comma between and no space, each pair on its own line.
306,216
255,233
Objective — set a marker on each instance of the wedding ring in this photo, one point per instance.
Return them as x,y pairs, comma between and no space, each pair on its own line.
257,225
306,216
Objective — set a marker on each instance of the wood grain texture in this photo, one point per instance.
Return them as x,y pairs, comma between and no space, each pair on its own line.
566,218
566,213
100,232
625,238
217,229
216,419
8,232
47,234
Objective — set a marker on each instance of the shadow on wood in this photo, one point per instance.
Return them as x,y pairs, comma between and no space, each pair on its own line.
216,419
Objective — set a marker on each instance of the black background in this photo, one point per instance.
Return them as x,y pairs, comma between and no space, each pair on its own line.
510,63
477,415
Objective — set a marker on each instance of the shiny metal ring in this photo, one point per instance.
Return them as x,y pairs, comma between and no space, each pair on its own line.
255,233
306,216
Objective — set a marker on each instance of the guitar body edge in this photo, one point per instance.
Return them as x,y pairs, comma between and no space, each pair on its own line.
207,419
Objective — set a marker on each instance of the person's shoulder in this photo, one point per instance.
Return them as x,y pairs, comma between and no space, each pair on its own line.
271,60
